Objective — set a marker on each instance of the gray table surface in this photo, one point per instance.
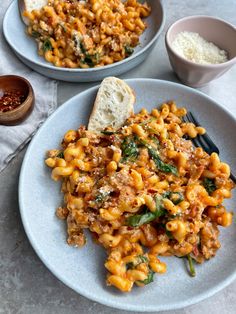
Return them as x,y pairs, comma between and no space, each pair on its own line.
26,285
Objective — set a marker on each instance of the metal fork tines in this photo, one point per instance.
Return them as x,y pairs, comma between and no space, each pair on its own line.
204,140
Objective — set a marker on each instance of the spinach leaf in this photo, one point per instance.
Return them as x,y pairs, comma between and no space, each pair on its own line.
82,48
156,158
191,266
128,50
108,132
168,233
129,149
147,121
35,34
149,278
102,197
175,197
139,220
209,185
88,60
96,57
160,164
139,260
160,210
155,140
130,265
146,217
142,259
60,155
47,45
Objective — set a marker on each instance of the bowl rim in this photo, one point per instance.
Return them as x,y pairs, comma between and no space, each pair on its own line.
191,63
88,70
29,95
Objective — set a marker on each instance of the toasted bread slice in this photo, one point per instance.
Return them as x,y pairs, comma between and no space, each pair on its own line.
31,5
113,105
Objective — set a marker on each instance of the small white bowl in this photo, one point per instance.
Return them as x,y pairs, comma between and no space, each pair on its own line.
26,48
213,30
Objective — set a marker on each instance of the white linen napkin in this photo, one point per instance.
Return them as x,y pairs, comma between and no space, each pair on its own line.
14,138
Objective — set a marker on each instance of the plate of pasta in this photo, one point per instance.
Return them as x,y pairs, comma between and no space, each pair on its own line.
83,41
147,216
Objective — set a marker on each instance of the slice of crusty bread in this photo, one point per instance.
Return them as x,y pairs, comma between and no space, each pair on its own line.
113,105
34,4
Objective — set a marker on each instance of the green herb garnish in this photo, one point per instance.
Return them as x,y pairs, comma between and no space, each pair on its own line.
47,45
209,185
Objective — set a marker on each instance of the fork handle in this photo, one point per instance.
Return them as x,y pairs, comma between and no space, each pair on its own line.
232,177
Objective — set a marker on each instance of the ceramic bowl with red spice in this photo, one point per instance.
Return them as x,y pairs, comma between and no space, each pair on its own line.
16,99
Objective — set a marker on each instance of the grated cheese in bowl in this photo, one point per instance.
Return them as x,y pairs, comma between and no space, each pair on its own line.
193,47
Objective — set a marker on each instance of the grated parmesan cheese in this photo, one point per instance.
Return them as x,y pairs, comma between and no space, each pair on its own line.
193,47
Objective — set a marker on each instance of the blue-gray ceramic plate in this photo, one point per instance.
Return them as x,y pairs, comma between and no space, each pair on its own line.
82,269
26,49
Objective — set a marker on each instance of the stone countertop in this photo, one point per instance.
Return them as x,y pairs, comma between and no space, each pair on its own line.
26,285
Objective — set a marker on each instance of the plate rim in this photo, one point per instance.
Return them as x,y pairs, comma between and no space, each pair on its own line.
122,306
87,70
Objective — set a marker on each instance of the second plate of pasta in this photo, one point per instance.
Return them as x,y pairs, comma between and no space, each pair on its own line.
83,49
75,266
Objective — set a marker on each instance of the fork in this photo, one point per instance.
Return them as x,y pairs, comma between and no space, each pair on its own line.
204,140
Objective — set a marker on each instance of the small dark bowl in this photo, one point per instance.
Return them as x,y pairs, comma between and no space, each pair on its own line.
17,115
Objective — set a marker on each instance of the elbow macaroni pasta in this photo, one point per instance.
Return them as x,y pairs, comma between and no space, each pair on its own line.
142,195
83,34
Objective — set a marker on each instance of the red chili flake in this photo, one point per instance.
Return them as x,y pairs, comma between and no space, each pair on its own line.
112,138
195,251
10,100
130,228
152,190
